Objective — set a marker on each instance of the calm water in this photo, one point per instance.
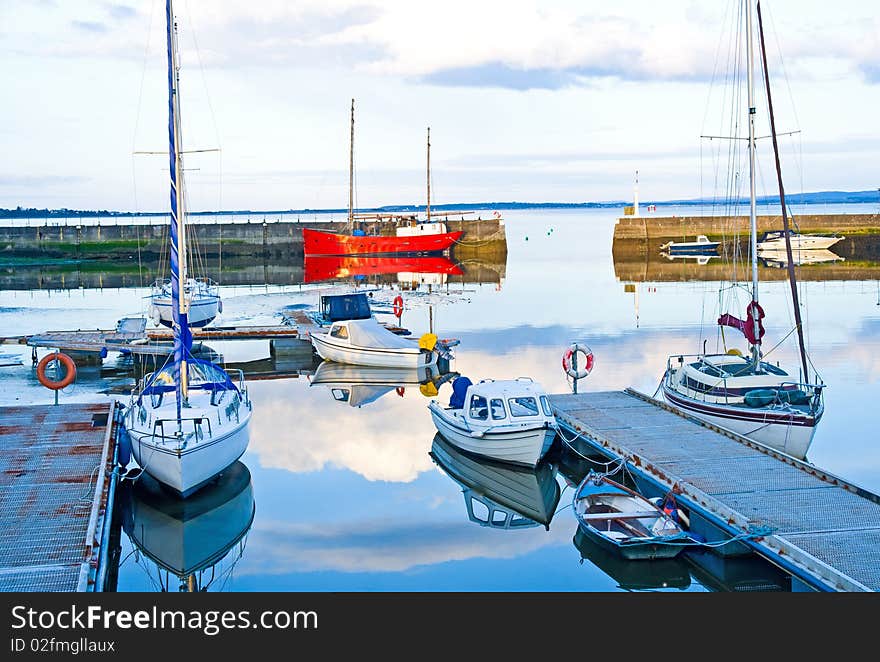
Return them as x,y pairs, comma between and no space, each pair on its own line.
349,498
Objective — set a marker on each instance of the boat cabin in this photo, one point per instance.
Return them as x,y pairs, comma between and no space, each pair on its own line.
419,229
501,402
338,307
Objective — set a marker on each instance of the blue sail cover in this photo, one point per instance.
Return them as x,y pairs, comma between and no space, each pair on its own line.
202,375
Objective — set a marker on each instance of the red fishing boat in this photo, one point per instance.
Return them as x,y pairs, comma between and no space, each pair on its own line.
326,267
420,240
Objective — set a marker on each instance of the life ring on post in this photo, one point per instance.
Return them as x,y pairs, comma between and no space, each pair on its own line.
398,306
56,384
581,372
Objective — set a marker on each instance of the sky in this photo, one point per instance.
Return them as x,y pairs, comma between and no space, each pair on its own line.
527,100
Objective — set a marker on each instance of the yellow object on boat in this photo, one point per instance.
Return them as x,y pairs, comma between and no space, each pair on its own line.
428,389
428,341
734,351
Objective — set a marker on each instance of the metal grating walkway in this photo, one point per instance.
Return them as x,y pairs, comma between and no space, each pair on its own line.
54,461
825,530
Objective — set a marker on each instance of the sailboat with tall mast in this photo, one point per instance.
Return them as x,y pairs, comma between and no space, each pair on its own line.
748,394
409,238
202,427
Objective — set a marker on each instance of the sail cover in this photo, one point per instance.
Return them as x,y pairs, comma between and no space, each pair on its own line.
747,326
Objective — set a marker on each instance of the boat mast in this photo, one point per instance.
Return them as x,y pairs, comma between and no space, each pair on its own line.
428,207
791,275
753,221
182,337
351,173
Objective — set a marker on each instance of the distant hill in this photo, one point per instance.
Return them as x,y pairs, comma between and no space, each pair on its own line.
819,197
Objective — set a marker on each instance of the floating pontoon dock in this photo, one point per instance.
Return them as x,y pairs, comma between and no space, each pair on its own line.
821,529
57,487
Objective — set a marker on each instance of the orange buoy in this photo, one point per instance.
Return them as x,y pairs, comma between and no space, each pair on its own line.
398,306
56,384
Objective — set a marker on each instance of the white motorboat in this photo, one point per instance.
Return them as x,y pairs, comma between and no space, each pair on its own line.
203,299
369,343
702,246
775,240
509,420
190,437
747,394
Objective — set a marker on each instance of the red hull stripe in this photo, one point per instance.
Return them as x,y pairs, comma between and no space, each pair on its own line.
744,415
317,242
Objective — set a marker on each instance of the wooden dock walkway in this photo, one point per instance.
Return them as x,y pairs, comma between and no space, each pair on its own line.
820,528
56,492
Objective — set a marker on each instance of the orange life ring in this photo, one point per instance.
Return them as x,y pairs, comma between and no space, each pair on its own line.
580,373
69,376
398,305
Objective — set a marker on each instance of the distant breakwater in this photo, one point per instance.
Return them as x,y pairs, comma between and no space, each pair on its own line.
483,238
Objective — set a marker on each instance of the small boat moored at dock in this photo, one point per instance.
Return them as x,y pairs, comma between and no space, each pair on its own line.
702,246
369,343
775,241
508,420
623,521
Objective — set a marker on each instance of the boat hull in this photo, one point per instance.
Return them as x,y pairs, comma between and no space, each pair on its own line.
185,471
787,433
202,310
369,356
319,242
804,242
522,446
634,550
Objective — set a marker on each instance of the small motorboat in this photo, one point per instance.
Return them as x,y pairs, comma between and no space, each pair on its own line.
702,246
775,241
367,342
508,420
623,521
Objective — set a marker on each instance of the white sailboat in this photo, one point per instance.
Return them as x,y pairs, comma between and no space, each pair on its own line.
202,427
750,395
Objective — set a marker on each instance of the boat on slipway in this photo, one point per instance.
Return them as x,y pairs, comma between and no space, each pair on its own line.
508,420
748,394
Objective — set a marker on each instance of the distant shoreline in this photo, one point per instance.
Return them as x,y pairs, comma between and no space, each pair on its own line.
821,197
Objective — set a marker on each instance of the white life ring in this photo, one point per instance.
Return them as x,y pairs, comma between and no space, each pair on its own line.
567,362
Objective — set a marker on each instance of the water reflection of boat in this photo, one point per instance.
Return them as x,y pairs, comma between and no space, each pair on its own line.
187,538
323,268
500,495
661,573
362,385
779,258
698,259
735,573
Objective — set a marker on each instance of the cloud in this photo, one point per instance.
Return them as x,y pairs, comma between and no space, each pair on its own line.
498,74
39,181
121,11
89,26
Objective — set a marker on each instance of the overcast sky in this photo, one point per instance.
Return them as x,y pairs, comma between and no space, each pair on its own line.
543,100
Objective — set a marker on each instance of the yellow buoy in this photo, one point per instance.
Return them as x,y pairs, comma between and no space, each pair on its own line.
428,389
428,341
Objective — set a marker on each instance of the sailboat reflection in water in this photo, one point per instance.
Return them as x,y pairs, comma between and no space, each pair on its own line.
500,495
188,538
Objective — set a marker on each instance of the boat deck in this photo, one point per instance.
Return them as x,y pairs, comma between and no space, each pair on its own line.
55,491
822,529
